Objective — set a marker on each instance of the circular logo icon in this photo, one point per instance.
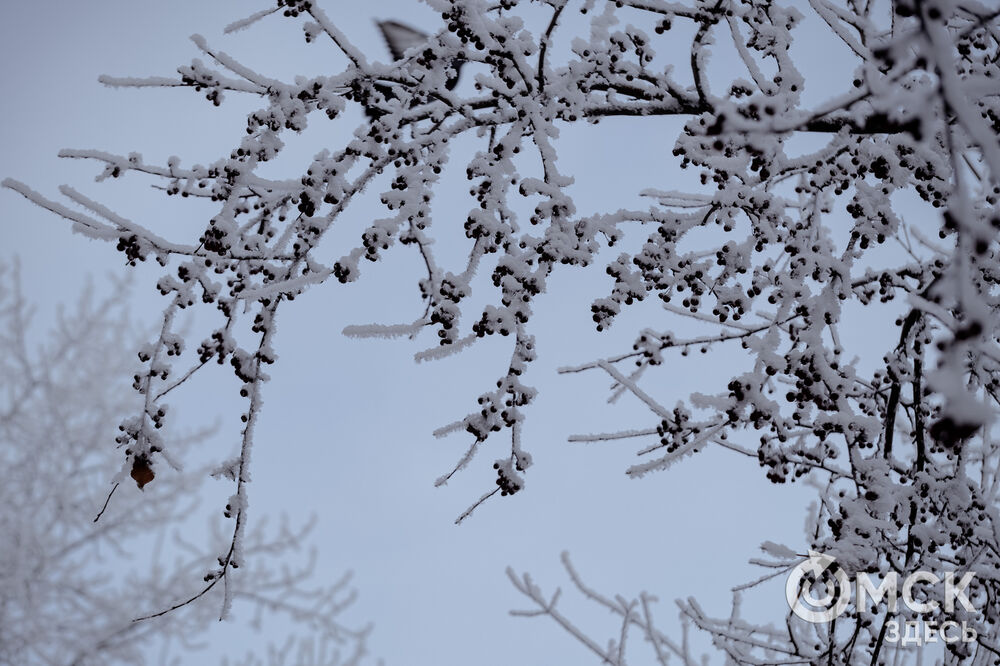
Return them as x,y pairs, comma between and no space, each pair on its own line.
798,589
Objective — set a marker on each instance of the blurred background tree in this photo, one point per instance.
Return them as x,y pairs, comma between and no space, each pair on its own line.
72,587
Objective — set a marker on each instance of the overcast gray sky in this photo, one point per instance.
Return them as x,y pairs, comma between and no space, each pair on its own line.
346,428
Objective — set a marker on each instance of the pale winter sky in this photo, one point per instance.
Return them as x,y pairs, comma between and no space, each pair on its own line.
346,428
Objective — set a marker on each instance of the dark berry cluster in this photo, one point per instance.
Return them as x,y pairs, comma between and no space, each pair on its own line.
293,8
132,248
507,478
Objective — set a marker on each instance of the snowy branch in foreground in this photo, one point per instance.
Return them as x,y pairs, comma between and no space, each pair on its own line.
880,200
